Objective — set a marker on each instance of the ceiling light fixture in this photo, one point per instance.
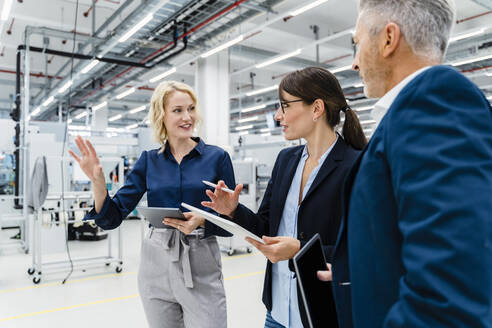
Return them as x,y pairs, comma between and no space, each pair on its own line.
466,35
279,58
244,127
488,73
114,118
368,122
132,126
307,7
163,75
69,121
137,27
79,116
7,5
266,134
248,119
138,109
364,108
91,65
259,91
48,101
65,87
223,46
36,111
243,133
265,130
341,69
250,109
471,60
125,93
98,107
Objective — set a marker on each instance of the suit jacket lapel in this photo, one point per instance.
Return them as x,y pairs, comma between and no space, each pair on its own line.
331,162
286,177
347,189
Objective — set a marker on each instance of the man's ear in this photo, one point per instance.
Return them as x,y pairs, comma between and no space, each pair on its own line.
391,37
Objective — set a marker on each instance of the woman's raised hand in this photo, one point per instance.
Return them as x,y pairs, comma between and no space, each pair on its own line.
223,202
89,163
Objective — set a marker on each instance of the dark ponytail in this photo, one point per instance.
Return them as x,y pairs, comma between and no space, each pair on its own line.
313,83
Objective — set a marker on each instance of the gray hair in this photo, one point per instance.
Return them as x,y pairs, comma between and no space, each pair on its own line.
425,24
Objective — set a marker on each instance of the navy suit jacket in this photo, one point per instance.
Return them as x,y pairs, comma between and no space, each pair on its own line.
416,239
319,212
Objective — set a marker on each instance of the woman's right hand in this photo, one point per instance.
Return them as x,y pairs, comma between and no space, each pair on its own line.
223,202
89,162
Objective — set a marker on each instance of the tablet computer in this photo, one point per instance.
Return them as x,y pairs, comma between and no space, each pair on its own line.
316,294
227,225
155,215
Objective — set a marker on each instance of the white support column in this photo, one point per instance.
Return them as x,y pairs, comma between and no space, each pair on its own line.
212,87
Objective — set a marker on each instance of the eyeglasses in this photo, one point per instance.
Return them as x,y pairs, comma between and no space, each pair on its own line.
284,104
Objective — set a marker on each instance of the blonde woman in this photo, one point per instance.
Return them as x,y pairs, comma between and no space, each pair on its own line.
180,279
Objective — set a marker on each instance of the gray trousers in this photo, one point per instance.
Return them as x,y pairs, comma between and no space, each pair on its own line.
180,281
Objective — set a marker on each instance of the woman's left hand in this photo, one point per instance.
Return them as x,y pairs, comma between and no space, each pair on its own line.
192,222
277,248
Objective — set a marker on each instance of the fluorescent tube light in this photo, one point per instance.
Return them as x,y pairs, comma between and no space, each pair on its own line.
257,92
368,122
279,58
489,97
79,127
266,134
361,109
248,119
223,46
138,109
101,105
147,122
7,5
79,116
307,7
132,126
250,109
358,85
488,73
114,118
137,27
91,65
265,130
36,111
471,60
466,35
341,69
243,133
48,101
163,75
244,127
65,87
69,121
125,93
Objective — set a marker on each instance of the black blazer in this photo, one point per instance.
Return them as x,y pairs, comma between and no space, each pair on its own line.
319,212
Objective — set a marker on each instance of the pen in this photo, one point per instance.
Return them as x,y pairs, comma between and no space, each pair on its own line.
215,186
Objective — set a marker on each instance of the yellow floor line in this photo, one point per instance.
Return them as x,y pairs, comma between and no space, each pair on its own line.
108,300
72,281
25,315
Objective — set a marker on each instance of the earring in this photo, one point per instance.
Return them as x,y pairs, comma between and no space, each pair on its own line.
315,119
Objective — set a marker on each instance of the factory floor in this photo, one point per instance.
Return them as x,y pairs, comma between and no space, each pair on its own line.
100,297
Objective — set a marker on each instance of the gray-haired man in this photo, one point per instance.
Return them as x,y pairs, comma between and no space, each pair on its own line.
415,246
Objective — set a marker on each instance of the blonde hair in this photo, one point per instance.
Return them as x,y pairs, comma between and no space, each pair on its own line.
158,108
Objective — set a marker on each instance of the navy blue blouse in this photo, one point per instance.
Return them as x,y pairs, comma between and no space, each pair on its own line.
168,184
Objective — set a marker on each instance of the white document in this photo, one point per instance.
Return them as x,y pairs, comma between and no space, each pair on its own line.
227,225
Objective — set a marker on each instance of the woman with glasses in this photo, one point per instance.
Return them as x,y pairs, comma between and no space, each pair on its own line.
303,196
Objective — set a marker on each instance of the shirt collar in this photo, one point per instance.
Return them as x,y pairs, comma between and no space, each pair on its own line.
323,157
198,148
384,103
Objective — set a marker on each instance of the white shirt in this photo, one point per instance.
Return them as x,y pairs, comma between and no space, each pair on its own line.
383,104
